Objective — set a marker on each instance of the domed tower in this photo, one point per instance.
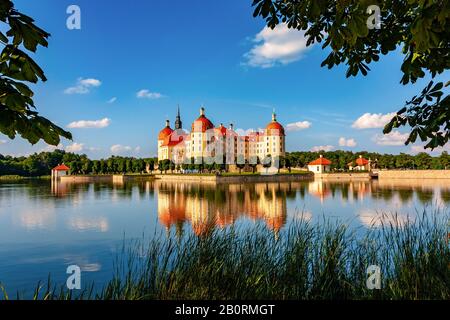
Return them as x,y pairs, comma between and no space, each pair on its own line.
163,134
201,133
275,138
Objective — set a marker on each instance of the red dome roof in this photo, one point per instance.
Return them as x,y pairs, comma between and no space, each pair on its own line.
221,130
202,124
164,133
274,129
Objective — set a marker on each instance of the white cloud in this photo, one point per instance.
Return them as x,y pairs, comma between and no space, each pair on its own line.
373,120
2,142
75,147
144,93
278,46
297,126
117,149
372,218
50,148
83,86
343,142
437,151
84,124
394,138
322,148
112,100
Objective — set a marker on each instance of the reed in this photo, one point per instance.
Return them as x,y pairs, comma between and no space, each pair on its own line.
326,260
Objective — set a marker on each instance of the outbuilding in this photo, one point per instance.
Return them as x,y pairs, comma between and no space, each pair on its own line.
320,165
60,171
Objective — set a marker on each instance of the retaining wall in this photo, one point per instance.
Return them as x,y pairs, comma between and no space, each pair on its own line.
414,174
234,179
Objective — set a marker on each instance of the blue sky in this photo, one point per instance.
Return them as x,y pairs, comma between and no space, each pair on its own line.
199,52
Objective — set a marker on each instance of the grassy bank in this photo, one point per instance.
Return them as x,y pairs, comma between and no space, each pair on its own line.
17,177
305,261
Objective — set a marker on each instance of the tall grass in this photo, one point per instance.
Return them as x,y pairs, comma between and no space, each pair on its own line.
305,261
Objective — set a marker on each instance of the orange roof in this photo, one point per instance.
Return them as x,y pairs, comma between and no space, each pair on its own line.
173,139
167,131
221,130
61,167
321,161
202,124
275,129
362,161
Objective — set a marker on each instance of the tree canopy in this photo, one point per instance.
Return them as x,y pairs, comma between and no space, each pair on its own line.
421,28
18,113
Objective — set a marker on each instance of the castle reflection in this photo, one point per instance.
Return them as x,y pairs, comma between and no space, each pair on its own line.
206,207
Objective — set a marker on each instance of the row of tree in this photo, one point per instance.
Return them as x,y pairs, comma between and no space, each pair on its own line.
40,164
340,159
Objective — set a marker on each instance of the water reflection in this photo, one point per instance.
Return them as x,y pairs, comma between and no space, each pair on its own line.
205,207
103,207
44,228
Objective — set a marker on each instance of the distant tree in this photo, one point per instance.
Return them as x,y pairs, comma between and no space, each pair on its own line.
111,165
445,160
96,167
287,163
18,113
151,165
129,165
103,166
172,166
423,160
75,167
86,166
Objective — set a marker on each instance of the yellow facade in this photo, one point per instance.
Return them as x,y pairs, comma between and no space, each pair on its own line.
212,143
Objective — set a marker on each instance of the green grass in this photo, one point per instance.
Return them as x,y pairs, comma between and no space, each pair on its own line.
305,261
17,177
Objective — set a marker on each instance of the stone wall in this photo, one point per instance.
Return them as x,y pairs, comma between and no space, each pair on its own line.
234,179
414,174
343,176
100,178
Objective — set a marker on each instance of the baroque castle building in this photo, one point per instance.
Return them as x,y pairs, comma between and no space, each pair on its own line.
207,141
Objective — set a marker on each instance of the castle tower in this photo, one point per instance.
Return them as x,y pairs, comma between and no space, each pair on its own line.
178,122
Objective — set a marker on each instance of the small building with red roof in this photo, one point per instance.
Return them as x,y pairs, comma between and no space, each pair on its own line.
320,165
60,171
361,164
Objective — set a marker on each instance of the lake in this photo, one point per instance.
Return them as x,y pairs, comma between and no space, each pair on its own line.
44,228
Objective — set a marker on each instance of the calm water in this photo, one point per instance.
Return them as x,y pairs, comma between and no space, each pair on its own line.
44,228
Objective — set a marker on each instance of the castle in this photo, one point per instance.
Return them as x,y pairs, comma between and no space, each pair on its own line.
218,144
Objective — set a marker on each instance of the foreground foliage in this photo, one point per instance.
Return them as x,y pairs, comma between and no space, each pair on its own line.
420,28
305,261
18,113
